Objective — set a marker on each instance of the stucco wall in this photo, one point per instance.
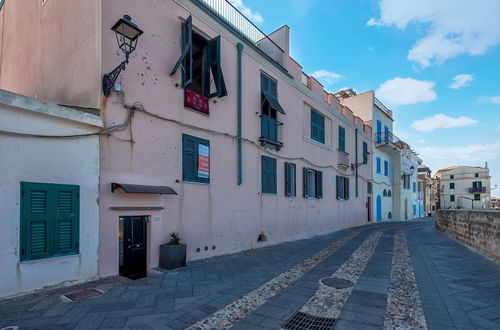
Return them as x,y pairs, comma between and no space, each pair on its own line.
62,161
51,50
478,229
220,214
463,180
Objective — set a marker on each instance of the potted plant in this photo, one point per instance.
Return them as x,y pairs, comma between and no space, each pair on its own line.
173,253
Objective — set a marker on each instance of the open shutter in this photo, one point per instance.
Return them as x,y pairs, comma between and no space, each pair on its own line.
36,225
319,184
321,128
66,219
273,175
287,180
185,61
189,158
214,68
264,175
341,138
346,185
305,181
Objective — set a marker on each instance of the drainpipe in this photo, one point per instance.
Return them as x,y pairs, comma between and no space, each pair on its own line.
356,157
239,46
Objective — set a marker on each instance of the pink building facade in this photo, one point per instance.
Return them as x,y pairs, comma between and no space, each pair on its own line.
272,154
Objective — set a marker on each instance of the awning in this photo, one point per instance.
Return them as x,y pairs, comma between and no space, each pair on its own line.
143,189
273,102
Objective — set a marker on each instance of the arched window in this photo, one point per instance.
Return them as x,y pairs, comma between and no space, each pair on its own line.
385,193
389,215
389,194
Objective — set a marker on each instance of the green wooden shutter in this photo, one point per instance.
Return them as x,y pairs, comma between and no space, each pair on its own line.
314,125
337,184
287,179
365,153
36,224
273,175
319,184
66,219
305,181
214,67
341,138
189,158
268,174
346,184
185,61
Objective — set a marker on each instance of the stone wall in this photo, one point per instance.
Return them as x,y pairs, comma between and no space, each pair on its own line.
478,229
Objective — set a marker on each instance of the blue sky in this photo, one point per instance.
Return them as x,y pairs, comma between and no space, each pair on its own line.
409,52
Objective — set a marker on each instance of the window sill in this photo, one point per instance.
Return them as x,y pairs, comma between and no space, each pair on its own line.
268,194
196,182
319,144
49,259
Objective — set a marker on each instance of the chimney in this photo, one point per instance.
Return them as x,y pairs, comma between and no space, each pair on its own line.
485,164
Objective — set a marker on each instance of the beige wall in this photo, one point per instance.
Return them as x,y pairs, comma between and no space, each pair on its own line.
52,51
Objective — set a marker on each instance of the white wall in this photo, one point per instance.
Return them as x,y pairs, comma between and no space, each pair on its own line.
463,178
62,161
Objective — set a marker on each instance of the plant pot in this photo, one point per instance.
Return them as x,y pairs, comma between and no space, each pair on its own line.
172,256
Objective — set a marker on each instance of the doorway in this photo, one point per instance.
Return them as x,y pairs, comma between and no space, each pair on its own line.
406,208
369,207
132,246
379,208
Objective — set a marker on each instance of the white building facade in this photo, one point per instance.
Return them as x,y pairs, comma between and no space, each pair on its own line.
48,195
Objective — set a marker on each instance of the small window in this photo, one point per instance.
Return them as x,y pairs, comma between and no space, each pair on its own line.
414,210
313,183
268,175
452,177
384,193
452,198
270,107
452,185
477,197
369,187
379,165
386,134
365,153
341,138
389,193
386,168
317,126
379,131
290,180
414,187
195,159
50,220
476,175
342,188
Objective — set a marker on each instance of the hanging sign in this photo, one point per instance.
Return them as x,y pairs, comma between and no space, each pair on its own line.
203,161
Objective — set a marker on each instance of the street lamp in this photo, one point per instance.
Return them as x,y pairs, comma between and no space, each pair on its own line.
127,35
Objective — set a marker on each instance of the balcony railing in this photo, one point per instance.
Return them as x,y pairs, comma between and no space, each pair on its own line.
477,190
382,107
225,11
270,131
343,159
385,138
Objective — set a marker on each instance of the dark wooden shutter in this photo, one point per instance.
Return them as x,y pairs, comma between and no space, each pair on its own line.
185,61
264,175
337,181
341,138
66,219
37,210
287,180
365,153
189,158
314,125
319,184
269,178
305,181
214,67
346,185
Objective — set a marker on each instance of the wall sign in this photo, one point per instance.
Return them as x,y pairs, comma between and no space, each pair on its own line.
195,101
203,161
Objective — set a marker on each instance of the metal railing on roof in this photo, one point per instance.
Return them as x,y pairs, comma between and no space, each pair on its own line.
382,107
233,17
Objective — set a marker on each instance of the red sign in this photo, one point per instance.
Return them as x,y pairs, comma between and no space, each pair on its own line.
195,101
203,161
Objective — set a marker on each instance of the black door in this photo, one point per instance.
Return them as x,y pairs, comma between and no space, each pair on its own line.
369,207
133,247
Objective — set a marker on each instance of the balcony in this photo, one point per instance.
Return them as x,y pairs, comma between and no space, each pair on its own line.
343,159
226,12
382,107
477,190
387,141
270,132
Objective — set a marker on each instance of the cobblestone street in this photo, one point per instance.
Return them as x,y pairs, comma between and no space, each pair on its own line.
393,275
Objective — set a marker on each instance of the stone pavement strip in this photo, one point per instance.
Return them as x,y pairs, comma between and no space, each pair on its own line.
408,263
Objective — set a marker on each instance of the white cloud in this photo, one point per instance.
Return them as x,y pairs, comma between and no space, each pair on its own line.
494,99
461,80
422,141
401,91
327,77
498,127
451,27
441,121
251,15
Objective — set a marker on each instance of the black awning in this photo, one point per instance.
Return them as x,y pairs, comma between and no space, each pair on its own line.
142,189
273,102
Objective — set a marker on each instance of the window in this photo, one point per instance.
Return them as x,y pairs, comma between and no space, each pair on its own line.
389,193
406,181
195,159
476,175
369,187
386,134
269,111
379,131
477,197
313,183
290,180
200,62
317,126
50,220
386,168
378,165
341,138
414,210
268,175
477,184
452,198
384,193
365,153
452,185
414,187
342,188
452,177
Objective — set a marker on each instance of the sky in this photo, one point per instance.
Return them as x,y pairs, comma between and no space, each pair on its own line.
435,63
